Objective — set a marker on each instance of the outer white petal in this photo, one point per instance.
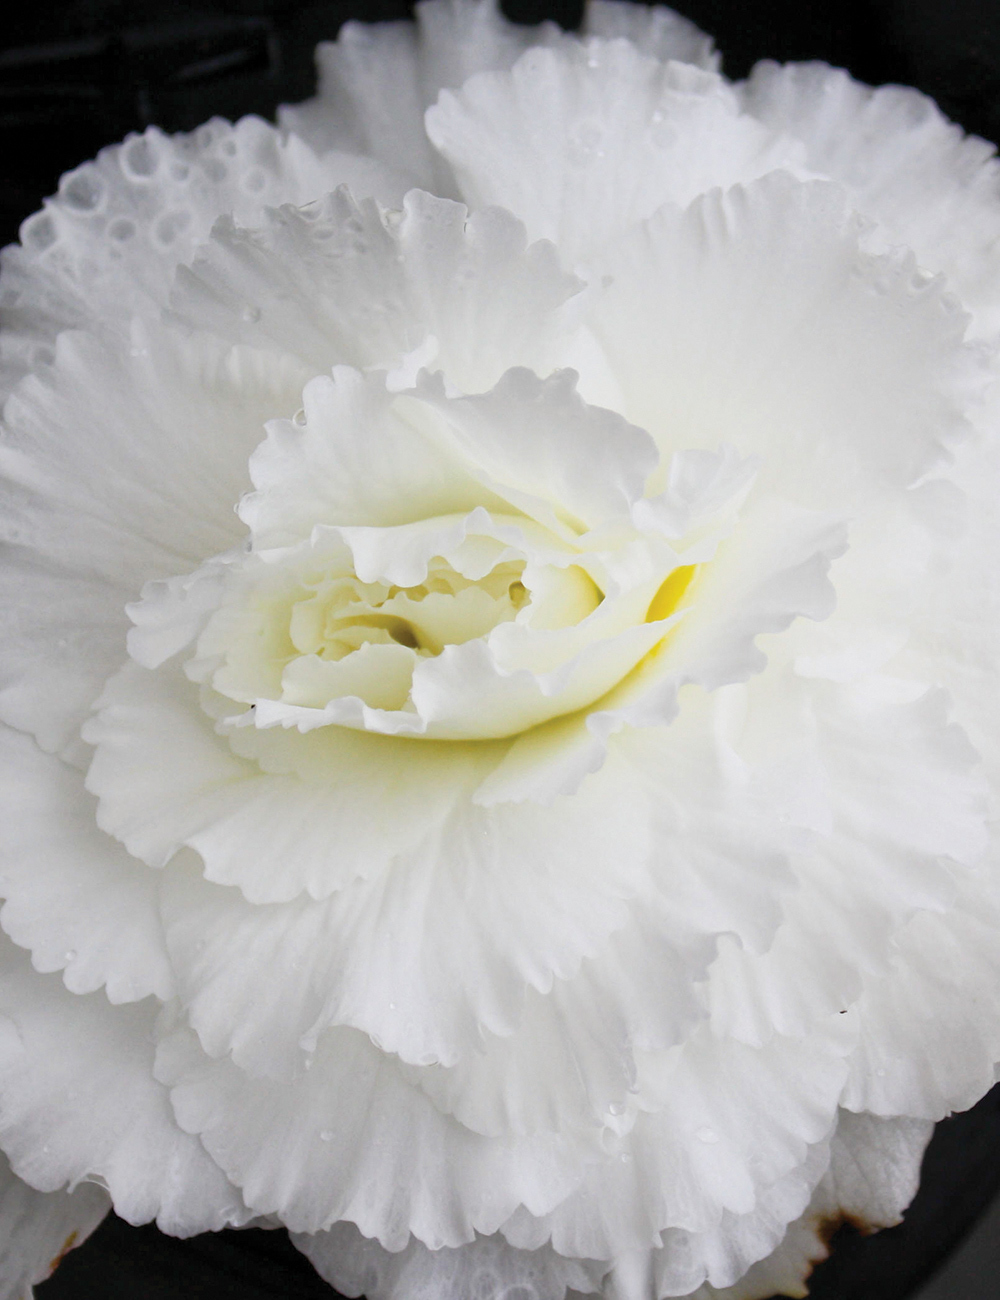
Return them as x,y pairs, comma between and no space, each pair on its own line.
351,1139
879,802
872,1177
108,244
75,898
719,1124
296,815
78,1100
377,79
109,479
871,1168
38,1228
585,140
654,29
929,186
928,1035
437,947
487,1268
343,282
570,1063
755,318
954,621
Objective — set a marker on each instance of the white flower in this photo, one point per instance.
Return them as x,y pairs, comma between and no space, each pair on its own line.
501,700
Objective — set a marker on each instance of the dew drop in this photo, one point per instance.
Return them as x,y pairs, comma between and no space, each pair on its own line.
616,1108
139,159
706,1134
250,314
326,1135
69,954
170,225
121,229
39,232
81,191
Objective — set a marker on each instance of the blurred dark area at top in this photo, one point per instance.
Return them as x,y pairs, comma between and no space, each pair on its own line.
77,75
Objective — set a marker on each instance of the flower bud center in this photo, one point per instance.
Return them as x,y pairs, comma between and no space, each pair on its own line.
335,616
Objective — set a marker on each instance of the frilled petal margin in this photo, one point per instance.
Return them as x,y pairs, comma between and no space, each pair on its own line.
870,1173
63,1054
38,1228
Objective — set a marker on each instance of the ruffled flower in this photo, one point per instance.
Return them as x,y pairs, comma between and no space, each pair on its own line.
501,711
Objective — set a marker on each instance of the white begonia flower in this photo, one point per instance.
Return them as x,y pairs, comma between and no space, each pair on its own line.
500,700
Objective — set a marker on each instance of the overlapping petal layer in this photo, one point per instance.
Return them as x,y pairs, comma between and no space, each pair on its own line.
504,695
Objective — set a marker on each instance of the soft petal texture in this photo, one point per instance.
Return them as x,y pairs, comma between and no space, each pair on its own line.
83,541
38,1228
583,141
350,1139
655,30
505,900
485,1268
108,243
377,79
924,1050
74,897
874,1166
929,186
62,1054
340,282
503,682
705,327
871,1168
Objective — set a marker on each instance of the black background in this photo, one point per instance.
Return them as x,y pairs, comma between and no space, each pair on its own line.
76,76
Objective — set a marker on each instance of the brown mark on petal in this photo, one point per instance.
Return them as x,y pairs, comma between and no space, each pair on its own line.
67,1246
826,1227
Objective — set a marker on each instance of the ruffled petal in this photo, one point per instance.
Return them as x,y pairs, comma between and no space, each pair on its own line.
436,948
377,79
351,1140
756,318
358,456
75,898
655,30
772,571
719,1124
342,282
874,1166
487,1268
295,815
928,185
863,867
95,533
584,140
79,1102
107,245
38,1228
925,1047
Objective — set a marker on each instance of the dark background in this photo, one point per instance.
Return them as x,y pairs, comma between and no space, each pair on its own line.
76,76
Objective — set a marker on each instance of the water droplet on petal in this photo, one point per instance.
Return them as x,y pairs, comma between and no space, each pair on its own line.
706,1134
